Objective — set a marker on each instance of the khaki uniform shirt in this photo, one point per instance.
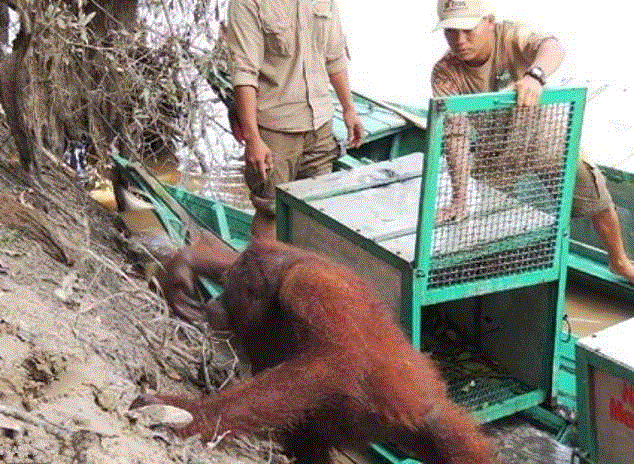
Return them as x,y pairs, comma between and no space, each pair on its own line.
500,154
286,49
514,50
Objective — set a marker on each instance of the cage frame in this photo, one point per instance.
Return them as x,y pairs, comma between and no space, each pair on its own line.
415,273
415,296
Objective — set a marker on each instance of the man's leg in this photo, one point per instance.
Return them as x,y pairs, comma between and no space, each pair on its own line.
319,152
591,198
606,224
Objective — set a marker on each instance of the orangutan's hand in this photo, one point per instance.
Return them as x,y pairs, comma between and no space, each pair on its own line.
178,283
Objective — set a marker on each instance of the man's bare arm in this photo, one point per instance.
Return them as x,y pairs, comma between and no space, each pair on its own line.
456,139
549,57
340,83
456,145
257,153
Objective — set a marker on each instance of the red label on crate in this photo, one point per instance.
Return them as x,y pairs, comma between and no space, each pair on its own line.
621,408
620,413
612,408
627,394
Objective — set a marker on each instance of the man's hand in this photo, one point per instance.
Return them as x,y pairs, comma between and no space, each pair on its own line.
339,81
457,130
355,128
528,91
259,156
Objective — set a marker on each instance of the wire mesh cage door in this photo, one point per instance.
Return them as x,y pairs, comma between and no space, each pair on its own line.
496,193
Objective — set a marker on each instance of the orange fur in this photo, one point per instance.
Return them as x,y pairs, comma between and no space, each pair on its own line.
332,368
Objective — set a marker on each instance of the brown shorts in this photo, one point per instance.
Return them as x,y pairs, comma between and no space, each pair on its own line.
296,155
591,194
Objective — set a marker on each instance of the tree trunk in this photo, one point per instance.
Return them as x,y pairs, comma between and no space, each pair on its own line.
13,80
47,96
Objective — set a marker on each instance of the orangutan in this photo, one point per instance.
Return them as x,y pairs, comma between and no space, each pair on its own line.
331,367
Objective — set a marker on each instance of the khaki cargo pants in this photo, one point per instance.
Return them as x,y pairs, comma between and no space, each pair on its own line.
591,195
296,155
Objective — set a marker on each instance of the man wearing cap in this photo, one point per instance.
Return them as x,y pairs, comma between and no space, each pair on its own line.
283,55
487,56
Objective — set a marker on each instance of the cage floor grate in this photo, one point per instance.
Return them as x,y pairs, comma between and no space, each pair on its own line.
473,381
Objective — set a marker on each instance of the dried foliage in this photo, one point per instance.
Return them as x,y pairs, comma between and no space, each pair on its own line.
130,85
102,303
128,74
133,82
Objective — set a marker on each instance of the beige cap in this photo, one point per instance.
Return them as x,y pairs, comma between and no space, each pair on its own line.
462,14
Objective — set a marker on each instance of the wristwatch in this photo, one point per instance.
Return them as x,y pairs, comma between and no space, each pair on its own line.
537,73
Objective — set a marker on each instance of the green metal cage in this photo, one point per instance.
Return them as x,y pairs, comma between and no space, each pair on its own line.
499,270
521,174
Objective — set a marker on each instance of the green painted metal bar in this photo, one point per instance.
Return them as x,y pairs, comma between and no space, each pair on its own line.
583,252
608,279
498,100
389,455
512,243
429,187
223,225
584,418
518,403
411,316
558,317
546,417
283,203
567,382
426,219
579,97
